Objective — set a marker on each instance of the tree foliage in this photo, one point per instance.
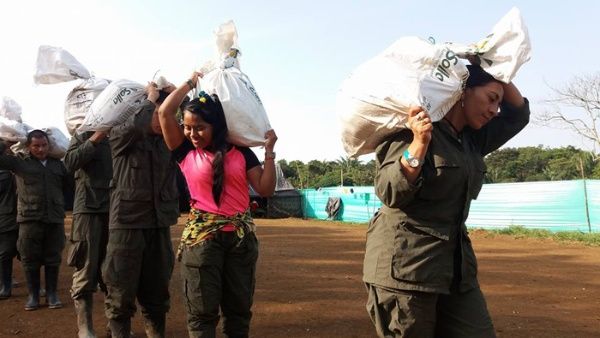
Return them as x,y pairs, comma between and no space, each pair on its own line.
524,164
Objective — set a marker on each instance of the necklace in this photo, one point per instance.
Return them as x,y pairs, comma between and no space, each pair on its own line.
456,132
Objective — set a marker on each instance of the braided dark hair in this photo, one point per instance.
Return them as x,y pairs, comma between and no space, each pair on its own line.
210,110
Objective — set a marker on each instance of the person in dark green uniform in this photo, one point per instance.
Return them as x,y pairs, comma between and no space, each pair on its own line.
419,268
143,205
89,158
9,231
41,183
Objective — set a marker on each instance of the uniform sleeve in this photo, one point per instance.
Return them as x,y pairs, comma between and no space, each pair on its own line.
81,151
181,152
250,158
8,162
502,128
391,186
122,136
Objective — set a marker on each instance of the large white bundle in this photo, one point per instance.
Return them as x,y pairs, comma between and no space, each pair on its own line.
115,104
10,109
55,65
373,102
502,52
246,117
11,130
80,99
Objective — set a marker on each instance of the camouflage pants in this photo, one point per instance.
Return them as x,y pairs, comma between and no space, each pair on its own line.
40,244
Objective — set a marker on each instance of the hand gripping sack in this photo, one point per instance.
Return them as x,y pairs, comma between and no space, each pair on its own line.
246,117
374,101
502,52
115,104
80,100
55,65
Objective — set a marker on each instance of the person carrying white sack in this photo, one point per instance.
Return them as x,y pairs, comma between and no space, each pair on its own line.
218,248
420,268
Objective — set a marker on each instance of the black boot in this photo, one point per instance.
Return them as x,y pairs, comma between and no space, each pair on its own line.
119,328
33,287
51,285
154,325
6,278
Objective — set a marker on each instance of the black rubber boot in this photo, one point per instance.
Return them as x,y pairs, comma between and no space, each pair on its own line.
51,285
6,278
33,287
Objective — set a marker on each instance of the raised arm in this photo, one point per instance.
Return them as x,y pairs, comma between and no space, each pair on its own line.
263,180
172,132
82,149
513,117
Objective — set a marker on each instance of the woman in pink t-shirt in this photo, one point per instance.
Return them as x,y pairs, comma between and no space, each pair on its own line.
218,246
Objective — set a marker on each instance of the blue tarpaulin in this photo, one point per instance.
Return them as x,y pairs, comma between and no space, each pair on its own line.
551,205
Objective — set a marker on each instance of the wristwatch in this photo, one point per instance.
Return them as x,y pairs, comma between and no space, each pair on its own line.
269,155
413,162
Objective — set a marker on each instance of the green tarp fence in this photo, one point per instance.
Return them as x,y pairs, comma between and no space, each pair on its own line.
551,205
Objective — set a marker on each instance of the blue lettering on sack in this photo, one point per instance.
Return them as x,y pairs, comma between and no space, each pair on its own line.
442,70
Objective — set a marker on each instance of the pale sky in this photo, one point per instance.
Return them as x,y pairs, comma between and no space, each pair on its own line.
296,53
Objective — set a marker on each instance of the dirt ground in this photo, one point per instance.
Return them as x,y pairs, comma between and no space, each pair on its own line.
309,285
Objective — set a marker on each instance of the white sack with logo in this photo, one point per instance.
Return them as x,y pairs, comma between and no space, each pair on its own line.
374,101
80,99
55,65
115,104
502,52
246,117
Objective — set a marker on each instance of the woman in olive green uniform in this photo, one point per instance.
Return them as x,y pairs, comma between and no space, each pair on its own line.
419,267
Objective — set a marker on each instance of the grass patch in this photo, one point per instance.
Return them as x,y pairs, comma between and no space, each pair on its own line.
592,239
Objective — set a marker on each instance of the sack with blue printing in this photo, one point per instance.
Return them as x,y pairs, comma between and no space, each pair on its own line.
373,102
115,104
246,117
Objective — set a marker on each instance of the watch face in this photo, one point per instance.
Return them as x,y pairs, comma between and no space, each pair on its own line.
413,162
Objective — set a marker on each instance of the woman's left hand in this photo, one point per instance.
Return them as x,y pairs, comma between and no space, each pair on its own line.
271,138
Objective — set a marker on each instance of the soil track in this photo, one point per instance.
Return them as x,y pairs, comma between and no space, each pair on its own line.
309,285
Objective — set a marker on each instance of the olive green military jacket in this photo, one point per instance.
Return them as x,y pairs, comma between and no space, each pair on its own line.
411,240
143,190
8,201
92,167
40,188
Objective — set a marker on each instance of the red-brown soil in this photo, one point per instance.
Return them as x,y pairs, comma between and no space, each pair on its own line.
309,285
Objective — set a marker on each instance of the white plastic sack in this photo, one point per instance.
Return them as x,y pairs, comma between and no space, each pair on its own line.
11,130
10,109
374,101
57,141
115,104
502,52
80,99
246,117
55,65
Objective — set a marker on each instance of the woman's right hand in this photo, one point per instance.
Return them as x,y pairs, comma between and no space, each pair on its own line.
420,124
194,78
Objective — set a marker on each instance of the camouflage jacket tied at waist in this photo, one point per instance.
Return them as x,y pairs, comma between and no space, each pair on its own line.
202,225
